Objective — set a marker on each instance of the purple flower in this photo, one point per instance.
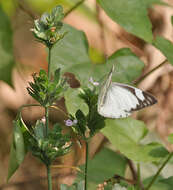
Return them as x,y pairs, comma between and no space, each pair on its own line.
68,122
92,81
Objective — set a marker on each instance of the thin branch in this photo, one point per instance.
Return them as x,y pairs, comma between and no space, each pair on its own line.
73,8
102,36
135,174
132,169
147,74
159,170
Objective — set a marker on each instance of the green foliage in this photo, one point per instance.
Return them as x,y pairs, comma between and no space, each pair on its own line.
48,148
71,54
6,49
19,146
47,92
75,45
128,66
165,46
134,18
46,29
88,125
73,102
160,183
105,165
126,134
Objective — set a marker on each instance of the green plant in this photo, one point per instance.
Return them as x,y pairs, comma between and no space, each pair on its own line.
68,51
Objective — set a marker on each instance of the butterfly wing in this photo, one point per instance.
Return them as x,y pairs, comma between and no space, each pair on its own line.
120,100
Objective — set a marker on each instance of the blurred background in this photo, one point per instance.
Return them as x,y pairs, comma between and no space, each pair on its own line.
105,37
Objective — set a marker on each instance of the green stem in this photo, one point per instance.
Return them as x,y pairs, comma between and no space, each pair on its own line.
139,177
49,76
147,74
74,7
49,177
47,120
49,62
86,166
159,170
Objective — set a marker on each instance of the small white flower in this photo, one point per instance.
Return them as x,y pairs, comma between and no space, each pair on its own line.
118,187
43,120
92,81
75,121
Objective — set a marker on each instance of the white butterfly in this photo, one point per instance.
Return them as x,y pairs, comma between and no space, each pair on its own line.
117,100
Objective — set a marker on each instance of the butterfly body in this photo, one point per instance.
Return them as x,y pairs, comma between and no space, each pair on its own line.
117,100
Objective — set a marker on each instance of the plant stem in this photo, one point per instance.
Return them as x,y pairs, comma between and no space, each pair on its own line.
47,120
139,177
47,108
74,7
49,177
86,165
49,62
159,170
152,70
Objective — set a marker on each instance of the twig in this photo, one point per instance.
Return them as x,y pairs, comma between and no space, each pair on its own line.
102,36
159,170
73,8
135,174
147,74
132,169
86,166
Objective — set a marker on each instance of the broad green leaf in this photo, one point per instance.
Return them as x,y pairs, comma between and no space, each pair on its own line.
126,134
168,181
159,152
165,46
160,183
73,102
105,165
6,49
71,54
128,66
19,146
132,15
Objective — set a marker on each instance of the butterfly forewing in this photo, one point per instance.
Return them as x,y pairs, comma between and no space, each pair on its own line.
120,100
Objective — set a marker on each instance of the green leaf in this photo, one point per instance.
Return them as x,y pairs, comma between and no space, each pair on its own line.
165,46
160,183
105,165
128,66
71,53
170,138
6,49
132,15
19,145
125,135
168,181
159,151
73,102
